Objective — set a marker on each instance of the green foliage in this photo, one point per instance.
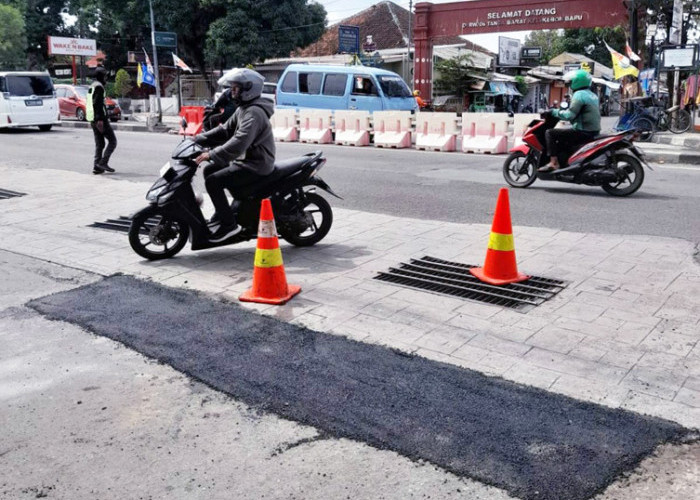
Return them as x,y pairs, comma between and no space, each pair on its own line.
110,89
576,41
122,83
520,84
550,41
12,40
456,75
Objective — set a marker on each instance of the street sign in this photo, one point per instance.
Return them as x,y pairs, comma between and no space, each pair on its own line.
680,57
165,39
71,46
349,39
676,22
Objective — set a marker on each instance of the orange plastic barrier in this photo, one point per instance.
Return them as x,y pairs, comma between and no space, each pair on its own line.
269,281
436,131
352,128
284,125
500,267
195,118
392,129
315,126
485,132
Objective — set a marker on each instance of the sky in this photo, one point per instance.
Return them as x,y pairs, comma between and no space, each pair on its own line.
340,9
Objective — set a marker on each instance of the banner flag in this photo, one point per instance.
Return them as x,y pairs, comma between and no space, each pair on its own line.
621,64
147,77
180,63
630,53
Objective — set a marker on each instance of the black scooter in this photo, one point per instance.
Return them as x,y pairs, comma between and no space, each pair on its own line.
302,217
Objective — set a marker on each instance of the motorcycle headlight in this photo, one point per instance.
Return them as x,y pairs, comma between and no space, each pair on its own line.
153,194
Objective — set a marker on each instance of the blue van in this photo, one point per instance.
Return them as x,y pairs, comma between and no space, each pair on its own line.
343,87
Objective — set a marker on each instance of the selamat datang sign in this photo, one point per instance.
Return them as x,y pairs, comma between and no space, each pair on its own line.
71,46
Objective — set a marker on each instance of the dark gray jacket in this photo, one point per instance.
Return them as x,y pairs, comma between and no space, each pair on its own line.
246,138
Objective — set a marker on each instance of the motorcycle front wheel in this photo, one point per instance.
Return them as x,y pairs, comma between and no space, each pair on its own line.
155,235
631,175
318,220
519,170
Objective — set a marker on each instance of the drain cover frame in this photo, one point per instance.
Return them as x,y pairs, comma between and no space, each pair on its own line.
6,194
454,279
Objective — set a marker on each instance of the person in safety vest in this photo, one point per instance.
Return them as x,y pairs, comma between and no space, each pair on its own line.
243,149
584,115
96,114
419,100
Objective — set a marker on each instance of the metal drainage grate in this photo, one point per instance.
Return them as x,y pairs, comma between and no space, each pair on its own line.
6,193
454,278
121,224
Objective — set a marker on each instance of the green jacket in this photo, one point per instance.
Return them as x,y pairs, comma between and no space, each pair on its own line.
583,113
95,109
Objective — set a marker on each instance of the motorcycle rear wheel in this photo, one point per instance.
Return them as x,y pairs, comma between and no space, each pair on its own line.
519,170
320,213
634,175
155,235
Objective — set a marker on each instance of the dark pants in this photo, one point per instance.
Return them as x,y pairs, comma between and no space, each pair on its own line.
103,154
217,178
563,142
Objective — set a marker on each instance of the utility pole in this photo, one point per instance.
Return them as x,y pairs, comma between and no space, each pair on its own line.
408,57
155,62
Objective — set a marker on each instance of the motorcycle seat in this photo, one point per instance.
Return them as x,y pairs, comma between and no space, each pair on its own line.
283,168
614,134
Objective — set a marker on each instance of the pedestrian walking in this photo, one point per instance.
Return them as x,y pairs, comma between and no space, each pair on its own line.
96,114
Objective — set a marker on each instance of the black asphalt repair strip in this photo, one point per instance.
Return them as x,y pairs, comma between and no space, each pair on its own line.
534,444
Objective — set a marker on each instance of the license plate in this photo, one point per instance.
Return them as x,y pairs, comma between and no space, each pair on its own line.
33,102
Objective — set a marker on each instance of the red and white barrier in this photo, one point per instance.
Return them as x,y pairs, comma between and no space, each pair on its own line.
392,129
284,125
485,132
194,115
436,131
352,128
520,124
315,126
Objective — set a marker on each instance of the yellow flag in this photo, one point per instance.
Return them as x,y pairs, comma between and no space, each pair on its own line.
621,64
139,75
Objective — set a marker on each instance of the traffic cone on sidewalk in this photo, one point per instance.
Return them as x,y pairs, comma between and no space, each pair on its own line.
269,281
500,267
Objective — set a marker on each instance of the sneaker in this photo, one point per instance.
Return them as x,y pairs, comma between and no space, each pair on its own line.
225,232
98,170
107,168
213,222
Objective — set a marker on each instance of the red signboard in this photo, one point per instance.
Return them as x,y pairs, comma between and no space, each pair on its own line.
434,21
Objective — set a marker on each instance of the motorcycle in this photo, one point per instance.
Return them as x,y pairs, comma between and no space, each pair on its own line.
302,216
611,162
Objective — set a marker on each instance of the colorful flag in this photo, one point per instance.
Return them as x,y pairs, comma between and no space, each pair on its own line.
621,64
146,76
148,61
139,75
180,63
630,53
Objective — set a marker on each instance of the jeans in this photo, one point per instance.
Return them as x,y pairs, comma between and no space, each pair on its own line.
103,154
220,177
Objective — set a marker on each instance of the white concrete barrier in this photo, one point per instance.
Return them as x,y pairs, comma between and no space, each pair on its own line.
352,127
284,125
436,131
392,129
485,132
315,126
520,124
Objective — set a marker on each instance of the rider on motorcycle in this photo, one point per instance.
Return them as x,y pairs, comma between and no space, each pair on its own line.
244,148
584,115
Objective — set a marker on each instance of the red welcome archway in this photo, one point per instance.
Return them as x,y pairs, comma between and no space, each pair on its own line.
433,21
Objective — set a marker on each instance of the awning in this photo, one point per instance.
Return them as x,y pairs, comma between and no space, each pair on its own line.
504,88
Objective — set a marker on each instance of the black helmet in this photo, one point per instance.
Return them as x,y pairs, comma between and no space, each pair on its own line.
250,82
100,74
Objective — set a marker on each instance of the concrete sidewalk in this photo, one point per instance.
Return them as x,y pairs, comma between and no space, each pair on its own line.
624,332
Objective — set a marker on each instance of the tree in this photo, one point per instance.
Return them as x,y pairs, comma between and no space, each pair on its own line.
579,41
12,39
456,75
122,83
550,41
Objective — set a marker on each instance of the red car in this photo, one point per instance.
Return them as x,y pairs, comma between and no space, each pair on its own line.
71,102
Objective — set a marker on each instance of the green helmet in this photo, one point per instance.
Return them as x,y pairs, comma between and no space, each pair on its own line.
581,80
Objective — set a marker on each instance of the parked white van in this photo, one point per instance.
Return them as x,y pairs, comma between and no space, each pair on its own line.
343,87
28,99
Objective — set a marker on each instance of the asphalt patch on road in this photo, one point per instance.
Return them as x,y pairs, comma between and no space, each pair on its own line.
534,444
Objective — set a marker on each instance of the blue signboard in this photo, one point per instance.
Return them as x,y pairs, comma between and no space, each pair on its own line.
349,39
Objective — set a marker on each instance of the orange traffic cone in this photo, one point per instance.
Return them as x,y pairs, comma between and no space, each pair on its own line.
269,282
500,267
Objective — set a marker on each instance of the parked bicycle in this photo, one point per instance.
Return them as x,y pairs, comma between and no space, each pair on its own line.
673,119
